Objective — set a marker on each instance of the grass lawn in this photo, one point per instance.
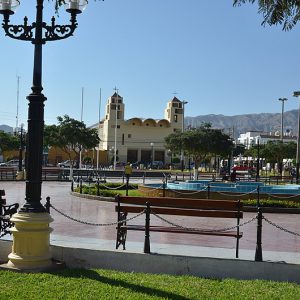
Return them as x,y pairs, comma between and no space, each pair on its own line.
105,284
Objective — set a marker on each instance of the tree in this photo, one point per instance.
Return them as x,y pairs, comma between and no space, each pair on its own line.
283,12
71,136
8,142
276,151
200,143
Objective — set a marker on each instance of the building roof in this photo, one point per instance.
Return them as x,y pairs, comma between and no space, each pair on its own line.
175,100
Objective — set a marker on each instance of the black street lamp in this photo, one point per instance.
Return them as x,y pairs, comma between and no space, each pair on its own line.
152,155
21,149
38,33
257,162
297,94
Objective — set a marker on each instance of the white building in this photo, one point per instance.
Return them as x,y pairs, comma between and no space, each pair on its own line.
252,137
138,139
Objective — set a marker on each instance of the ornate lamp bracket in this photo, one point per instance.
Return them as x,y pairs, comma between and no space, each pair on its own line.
51,32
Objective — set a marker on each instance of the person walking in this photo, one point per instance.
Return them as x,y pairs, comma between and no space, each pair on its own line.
127,172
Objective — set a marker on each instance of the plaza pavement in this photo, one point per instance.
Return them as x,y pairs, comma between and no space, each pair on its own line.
278,246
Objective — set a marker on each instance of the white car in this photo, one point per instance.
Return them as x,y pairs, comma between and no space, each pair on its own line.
64,164
11,163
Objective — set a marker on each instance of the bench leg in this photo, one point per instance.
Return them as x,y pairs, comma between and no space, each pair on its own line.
121,238
121,233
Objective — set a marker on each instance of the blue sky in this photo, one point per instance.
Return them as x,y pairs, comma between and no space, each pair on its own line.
216,57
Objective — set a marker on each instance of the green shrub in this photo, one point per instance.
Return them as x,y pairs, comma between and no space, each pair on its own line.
272,203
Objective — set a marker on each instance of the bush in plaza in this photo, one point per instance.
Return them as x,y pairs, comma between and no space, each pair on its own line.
272,203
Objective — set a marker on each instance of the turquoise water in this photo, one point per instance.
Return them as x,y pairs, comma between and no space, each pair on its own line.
233,187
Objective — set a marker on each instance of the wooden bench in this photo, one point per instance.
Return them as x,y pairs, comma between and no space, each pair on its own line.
6,211
8,173
227,209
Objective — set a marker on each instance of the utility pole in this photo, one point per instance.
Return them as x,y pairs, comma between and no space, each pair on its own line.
282,111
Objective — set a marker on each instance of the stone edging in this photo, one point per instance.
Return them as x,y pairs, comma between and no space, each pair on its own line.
245,208
93,197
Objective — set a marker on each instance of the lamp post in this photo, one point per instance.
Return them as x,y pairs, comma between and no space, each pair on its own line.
297,94
21,148
116,128
33,212
151,157
182,130
257,161
282,111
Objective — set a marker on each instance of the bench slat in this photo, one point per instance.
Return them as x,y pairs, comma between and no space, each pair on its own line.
182,202
182,230
182,212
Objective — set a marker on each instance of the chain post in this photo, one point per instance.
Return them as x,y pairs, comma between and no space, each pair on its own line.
80,186
47,205
123,178
98,190
164,187
144,178
176,177
147,229
72,185
182,176
208,191
258,197
127,184
258,250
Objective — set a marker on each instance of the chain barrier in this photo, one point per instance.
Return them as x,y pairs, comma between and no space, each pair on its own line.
283,197
280,227
111,188
208,230
96,224
3,234
154,189
187,193
237,195
133,187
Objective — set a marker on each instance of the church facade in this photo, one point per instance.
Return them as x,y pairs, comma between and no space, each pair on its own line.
138,139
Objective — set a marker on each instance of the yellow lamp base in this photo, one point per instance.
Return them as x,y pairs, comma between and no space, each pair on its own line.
31,241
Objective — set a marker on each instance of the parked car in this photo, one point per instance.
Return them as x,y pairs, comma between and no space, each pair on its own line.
64,164
157,164
244,169
11,163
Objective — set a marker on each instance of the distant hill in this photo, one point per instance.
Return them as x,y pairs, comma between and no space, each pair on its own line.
6,128
267,122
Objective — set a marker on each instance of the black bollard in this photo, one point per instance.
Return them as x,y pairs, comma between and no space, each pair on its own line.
47,205
80,186
208,191
147,230
127,184
258,250
98,190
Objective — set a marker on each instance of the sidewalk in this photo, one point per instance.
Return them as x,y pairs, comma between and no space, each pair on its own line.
277,244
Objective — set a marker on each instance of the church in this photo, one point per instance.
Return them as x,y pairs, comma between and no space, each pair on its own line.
138,139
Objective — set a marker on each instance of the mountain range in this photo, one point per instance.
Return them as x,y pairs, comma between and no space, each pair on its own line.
234,125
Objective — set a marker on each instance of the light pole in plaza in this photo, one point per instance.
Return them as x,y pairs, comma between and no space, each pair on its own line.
32,233
182,129
152,155
282,111
116,128
21,149
297,94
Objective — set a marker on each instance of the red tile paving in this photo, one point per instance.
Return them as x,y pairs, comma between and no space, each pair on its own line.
103,212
